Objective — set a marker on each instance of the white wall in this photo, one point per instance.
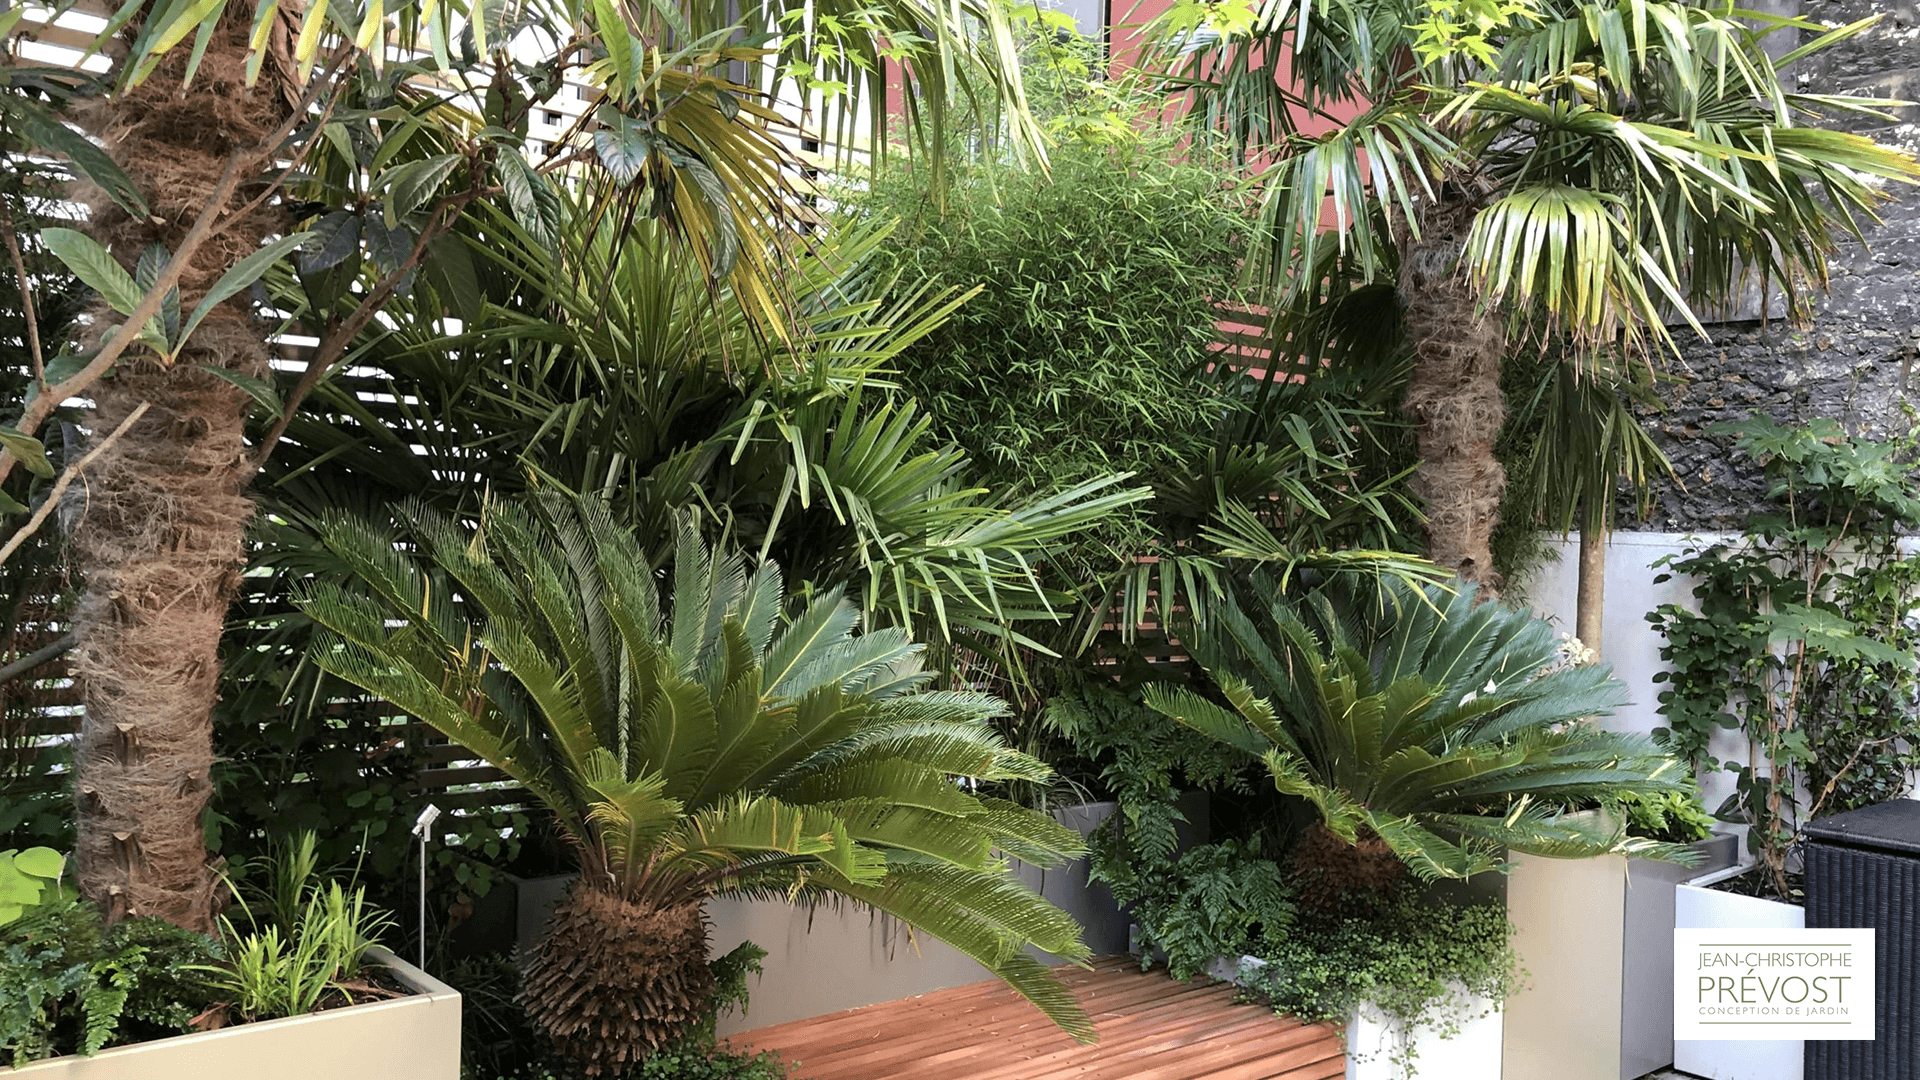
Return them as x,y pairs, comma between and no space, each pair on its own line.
1627,640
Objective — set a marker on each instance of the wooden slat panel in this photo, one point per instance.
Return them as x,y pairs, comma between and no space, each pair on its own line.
1150,1028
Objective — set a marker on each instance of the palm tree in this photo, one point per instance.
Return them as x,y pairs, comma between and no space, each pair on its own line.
1579,170
689,746
207,131
1587,438
1427,731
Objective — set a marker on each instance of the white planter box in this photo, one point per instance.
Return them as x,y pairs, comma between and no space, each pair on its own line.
409,1038
1696,906
1378,1045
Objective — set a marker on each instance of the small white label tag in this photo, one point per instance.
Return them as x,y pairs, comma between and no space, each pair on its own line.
1772,984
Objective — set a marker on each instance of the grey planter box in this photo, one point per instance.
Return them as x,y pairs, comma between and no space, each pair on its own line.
1596,938
409,1038
1103,925
1091,905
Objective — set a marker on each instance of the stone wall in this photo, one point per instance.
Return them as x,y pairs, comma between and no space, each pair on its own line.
1856,360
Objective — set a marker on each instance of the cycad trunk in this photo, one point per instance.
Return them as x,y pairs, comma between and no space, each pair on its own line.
1454,396
613,981
158,529
1335,875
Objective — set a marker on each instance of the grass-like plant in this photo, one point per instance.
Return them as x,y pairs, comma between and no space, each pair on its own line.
299,938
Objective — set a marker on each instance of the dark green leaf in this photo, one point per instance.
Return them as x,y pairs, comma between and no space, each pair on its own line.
239,276
450,267
330,241
93,265
89,160
534,203
414,184
726,238
623,145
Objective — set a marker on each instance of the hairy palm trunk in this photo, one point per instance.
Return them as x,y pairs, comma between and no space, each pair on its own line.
158,531
1454,395
615,980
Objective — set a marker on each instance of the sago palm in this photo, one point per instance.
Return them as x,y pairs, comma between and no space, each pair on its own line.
1583,170
690,746
1426,731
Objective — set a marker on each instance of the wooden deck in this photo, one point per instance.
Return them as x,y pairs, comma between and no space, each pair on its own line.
1151,1028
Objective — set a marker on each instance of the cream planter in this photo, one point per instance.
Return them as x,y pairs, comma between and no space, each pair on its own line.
1595,937
1380,1046
1696,906
409,1038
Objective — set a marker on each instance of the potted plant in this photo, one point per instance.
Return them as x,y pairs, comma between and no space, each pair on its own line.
1800,640
691,746
1425,737
296,985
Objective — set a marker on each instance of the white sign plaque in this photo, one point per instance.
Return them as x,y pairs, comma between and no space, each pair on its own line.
1772,984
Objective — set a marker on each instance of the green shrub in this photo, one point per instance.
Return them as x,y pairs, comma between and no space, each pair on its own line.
1675,817
1418,958
1087,350
70,985
1800,636
1224,899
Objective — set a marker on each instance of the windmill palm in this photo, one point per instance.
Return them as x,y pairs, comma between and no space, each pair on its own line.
190,195
1587,170
693,745
1427,731
1590,438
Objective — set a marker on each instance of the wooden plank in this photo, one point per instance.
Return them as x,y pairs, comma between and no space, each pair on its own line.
1150,1028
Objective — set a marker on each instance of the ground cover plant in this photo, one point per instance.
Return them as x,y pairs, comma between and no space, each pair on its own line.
71,983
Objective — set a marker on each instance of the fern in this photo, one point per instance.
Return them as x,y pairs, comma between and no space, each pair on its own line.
71,986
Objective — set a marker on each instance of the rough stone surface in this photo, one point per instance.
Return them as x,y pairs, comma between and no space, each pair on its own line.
1855,359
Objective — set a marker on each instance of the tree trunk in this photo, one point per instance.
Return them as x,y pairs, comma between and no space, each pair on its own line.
614,981
1591,603
158,531
1454,396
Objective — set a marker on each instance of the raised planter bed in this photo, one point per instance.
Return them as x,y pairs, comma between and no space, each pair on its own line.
1379,1046
1696,904
409,1038
1596,939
